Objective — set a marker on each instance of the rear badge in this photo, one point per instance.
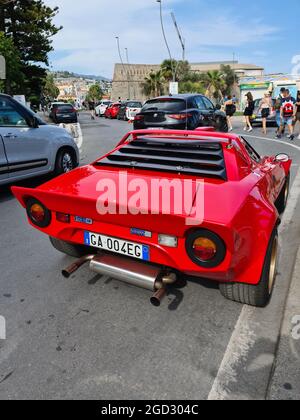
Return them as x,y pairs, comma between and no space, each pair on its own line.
139,232
83,220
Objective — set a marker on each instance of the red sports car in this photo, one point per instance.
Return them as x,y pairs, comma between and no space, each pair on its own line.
112,111
164,204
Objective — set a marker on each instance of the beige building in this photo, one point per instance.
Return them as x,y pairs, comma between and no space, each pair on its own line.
128,78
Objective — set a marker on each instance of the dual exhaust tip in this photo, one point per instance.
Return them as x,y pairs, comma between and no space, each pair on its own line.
132,272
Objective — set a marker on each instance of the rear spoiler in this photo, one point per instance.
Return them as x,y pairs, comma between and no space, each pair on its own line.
206,133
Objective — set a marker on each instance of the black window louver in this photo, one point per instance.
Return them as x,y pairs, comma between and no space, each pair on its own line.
193,157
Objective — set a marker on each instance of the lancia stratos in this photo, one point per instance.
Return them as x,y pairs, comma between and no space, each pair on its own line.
224,228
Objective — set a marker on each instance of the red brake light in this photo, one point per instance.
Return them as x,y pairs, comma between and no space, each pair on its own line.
38,214
63,217
179,116
204,249
138,117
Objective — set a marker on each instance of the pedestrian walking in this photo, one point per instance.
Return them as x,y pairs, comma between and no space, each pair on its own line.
288,113
230,110
248,113
297,118
278,105
265,107
92,109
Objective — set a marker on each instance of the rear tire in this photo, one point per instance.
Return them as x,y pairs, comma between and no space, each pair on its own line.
72,250
282,199
256,295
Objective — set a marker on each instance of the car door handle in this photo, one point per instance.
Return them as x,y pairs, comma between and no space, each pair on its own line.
10,136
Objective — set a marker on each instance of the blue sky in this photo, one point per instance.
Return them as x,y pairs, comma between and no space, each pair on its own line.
258,32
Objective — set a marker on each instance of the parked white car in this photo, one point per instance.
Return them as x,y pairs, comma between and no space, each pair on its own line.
101,108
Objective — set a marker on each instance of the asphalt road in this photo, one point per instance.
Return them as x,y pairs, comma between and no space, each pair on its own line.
96,338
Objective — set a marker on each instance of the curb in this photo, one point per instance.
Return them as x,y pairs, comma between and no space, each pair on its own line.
285,379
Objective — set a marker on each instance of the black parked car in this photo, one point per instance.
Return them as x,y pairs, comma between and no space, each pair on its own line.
180,112
63,113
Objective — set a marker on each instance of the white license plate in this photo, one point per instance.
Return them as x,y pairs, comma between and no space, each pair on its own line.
119,246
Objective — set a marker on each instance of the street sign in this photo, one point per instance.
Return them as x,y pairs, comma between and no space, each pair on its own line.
174,88
2,68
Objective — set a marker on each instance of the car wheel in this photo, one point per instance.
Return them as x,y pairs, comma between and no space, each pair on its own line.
72,250
64,162
256,295
282,199
125,118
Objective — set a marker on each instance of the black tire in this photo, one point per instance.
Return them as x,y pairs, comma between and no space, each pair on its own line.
259,295
72,250
65,162
282,199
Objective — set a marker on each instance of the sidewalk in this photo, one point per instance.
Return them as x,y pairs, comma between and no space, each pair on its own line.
285,380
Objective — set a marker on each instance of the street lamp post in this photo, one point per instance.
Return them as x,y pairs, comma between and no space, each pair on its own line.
122,62
165,39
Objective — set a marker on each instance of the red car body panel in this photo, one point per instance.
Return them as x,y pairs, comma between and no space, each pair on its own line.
241,209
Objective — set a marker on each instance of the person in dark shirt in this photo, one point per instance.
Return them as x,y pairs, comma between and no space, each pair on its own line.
288,113
297,117
248,113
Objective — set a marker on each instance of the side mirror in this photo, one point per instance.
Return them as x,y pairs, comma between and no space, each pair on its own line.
282,158
218,107
33,122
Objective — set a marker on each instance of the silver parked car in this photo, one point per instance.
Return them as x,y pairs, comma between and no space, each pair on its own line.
30,147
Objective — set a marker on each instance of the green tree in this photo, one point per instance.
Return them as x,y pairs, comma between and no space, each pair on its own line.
191,87
214,84
95,93
14,75
29,24
50,90
154,84
180,68
230,78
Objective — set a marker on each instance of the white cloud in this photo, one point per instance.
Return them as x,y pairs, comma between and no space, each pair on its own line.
87,43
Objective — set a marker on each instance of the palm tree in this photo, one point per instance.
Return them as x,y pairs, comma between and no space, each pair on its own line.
154,84
215,84
180,68
168,67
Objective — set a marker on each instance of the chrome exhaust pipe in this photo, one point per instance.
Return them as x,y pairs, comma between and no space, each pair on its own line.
129,271
136,273
158,297
67,272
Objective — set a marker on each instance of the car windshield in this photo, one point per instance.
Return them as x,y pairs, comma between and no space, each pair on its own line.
173,105
66,107
134,105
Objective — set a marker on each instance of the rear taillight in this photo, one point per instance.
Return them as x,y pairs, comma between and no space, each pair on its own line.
205,248
38,214
138,117
63,217
179,117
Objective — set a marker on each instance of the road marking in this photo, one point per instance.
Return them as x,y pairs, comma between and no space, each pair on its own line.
272,140
243,337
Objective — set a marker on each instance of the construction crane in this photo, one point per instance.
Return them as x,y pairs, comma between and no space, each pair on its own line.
182,41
